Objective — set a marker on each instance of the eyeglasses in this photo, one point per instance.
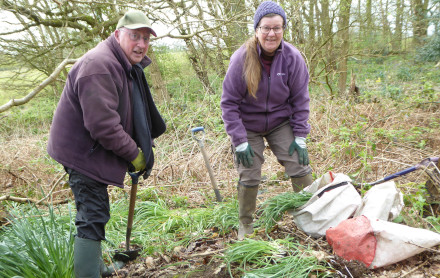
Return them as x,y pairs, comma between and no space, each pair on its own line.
266,30
136,37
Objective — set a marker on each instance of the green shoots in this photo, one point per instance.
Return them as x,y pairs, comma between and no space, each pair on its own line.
37,245
274,208
277,258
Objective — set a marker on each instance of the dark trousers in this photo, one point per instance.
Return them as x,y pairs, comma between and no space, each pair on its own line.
92,205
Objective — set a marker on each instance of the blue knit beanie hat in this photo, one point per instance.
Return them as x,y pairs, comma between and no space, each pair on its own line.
268,7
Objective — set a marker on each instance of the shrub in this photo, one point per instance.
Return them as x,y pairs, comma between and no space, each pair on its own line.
430,52
37,246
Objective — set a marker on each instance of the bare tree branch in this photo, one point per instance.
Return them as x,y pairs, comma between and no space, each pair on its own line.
30,200
48,81
53,187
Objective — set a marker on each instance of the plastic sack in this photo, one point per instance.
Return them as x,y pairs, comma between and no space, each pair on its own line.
383,201
378,243
329,205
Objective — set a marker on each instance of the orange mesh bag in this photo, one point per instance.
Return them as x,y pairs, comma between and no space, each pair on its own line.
353,239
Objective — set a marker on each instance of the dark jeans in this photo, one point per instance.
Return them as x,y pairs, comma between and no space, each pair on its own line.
92,205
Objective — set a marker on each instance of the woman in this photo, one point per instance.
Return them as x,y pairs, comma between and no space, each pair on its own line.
265,95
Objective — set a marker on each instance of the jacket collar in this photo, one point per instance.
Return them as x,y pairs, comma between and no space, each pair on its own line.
279,50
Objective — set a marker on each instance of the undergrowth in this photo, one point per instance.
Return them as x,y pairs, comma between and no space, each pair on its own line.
39,243
274,258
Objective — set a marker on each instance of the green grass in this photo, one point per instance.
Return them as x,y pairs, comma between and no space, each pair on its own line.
37,244
399,78
41,242
291,266
273,258
16,83
273,209
158,228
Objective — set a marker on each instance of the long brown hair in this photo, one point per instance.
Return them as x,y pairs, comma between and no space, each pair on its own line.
252,66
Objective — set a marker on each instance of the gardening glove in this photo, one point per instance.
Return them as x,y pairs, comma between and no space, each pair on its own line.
139,163
299,145
244,154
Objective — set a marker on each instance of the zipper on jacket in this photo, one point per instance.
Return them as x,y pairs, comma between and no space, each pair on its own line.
95,146
267,105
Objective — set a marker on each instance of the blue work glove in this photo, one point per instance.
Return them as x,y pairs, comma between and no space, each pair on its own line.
244,154
299,145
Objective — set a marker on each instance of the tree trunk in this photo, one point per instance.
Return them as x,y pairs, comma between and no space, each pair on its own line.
199,66
397,37
386,31
420,21
369,19
311,46
295,26
325,20
196,59
344,15
437,21
327,43
310,20
216,58
159,87
327,35
237,32
359,19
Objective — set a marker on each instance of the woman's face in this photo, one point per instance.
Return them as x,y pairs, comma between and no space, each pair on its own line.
270,41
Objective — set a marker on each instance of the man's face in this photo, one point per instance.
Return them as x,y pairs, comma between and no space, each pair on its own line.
134,43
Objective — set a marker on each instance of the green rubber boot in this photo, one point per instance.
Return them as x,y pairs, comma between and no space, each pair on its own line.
247,201
88,261
107,271
87,258
298,184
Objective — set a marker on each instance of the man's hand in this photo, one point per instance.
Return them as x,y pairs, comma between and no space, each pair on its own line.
244,154
299,145
139,162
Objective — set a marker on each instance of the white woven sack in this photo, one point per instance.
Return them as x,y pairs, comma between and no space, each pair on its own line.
397,242
329,205
383,201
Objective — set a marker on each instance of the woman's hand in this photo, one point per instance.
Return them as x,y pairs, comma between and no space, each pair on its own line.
244,154
299,145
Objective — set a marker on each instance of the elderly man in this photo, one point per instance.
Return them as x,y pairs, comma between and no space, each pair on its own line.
104,124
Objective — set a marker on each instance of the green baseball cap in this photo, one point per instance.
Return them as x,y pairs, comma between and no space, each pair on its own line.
135,20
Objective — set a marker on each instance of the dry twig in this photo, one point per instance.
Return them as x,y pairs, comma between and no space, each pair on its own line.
30,200
414,269
51,190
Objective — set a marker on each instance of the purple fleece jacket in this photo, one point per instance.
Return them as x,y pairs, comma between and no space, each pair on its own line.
92,127
282,96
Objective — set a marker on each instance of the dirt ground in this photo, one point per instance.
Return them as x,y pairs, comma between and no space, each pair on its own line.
203,259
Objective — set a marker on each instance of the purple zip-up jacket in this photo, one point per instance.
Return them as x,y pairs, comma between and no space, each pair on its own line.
92,127
284,96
